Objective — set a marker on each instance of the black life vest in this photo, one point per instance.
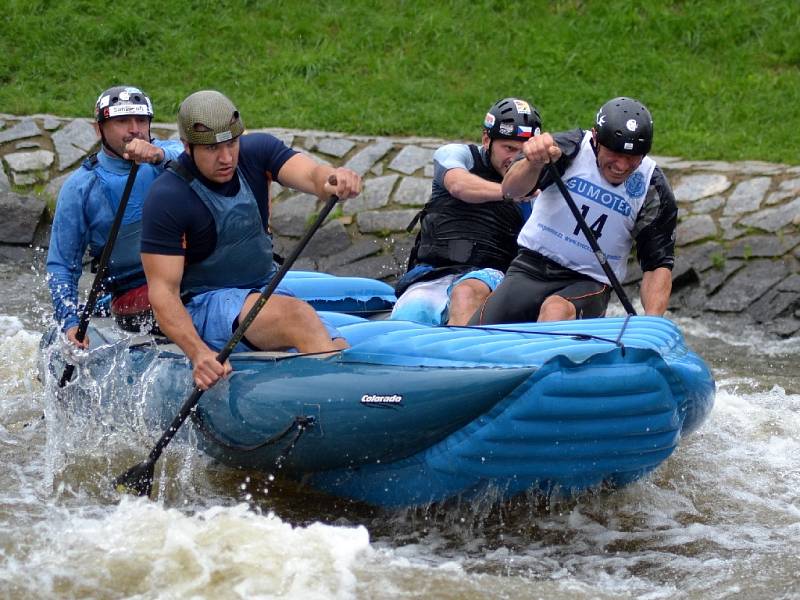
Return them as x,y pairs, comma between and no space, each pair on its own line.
454,232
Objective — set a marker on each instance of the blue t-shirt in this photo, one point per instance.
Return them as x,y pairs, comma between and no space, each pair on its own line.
175,221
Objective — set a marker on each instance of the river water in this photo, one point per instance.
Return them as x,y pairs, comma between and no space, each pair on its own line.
720,519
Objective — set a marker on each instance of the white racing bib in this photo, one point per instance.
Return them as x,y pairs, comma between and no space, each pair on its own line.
609,210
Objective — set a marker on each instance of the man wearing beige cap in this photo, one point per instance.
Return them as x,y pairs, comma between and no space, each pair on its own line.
206,246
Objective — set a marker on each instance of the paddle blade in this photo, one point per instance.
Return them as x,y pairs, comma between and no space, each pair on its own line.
138,480
67,375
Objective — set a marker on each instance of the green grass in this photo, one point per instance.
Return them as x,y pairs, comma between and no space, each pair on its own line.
722,78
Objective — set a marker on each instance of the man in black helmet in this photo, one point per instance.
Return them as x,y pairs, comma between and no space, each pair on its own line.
88,202
468,229
623,196
206,245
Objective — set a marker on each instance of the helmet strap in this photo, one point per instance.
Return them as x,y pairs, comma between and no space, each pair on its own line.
594,145
593,142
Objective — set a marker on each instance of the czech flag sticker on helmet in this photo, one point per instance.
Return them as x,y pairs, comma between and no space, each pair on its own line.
524,131
488,121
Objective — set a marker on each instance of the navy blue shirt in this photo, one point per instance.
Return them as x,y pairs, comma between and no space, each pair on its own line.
177,223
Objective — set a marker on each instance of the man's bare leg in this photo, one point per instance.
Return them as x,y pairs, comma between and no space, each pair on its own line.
556,308
465,299
287,322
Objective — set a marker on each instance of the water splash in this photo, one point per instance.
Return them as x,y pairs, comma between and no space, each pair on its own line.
141,549
18,357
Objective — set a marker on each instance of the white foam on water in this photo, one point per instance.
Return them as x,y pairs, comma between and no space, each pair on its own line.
9,326
744,336
752,451
140,549
19,350
721,518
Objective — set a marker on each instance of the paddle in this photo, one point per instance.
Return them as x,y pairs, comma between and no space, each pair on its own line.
601,257
105,256
139,478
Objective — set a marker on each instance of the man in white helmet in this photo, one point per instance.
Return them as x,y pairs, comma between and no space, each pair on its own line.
206,244
88,202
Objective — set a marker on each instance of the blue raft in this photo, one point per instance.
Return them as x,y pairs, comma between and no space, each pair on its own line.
412,414
351,295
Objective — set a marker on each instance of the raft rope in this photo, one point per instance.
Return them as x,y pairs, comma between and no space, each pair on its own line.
583,337
299,423
621,332
162,341
576,336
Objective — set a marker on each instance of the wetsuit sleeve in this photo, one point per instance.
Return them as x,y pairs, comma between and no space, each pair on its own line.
451,156
172,150
69,238
654,230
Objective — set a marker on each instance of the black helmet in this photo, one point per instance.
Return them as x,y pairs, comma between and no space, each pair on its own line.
512,119
121,101
624,125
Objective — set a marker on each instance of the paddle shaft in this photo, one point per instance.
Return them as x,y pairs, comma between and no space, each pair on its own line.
601,257
105,256
223,355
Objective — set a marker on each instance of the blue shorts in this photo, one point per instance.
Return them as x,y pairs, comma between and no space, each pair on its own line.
215,313
428,301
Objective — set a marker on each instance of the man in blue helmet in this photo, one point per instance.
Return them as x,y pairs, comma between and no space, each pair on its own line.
468,229
623,196
206,244
88,202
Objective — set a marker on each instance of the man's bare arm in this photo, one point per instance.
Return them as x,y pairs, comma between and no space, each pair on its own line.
470,188
655,291
306,175
523,175
164,275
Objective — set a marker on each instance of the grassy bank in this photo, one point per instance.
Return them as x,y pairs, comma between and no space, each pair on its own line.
721,78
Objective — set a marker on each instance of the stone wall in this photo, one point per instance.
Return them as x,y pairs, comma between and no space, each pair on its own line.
738,238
